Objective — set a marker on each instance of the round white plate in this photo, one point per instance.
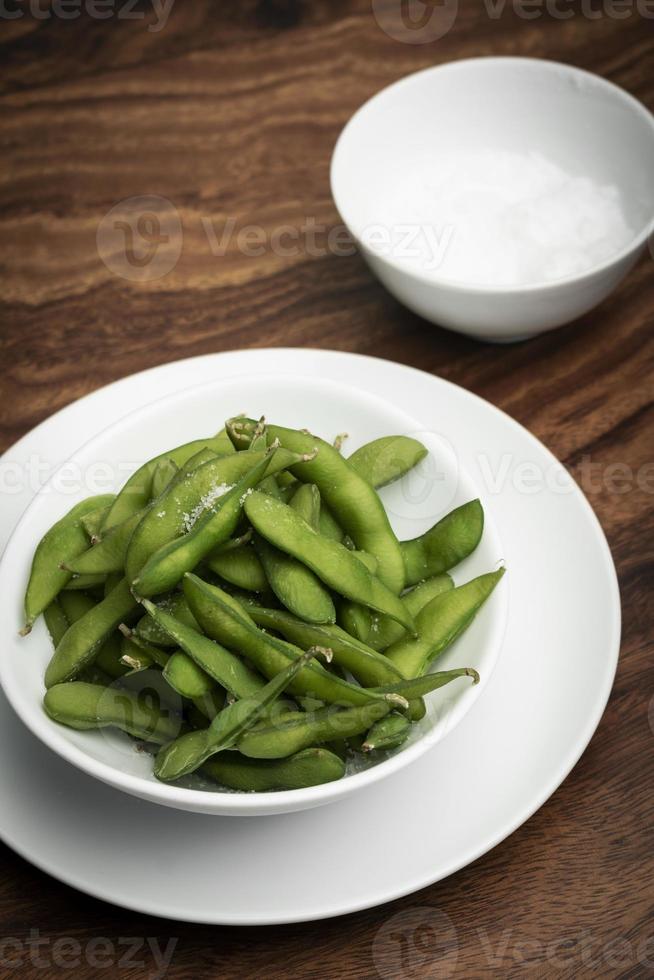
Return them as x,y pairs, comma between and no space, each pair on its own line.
414,504
466,794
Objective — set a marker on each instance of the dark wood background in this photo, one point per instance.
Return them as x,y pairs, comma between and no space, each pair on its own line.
232,109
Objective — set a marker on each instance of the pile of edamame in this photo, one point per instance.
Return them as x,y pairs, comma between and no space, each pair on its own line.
244,608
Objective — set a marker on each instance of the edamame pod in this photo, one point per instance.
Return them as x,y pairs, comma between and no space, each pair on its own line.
83,639
224,619
109,657
147,630
167,565
389,733
55,621
385,460
80,583
440,622
109,554
188,752
82,706
295,585
185,677
446,544
315,727
360,512
165,471
326,724
65,539
384,631
419,687
369,667
337,567
240,567
195,490
138,490
311,767
224,667
93,521
305,501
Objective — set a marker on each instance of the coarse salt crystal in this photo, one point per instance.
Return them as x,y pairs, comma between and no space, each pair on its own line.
501,218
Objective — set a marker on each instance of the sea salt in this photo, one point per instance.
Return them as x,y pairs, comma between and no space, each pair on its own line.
206,503
500,218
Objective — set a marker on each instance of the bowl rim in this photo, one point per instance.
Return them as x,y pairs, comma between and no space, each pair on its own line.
228,802
491,62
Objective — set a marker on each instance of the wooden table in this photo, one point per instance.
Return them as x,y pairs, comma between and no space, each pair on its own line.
230,111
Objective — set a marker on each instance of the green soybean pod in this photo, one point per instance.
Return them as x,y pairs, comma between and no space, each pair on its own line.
440,622
240,567
65,539
185,677
295,585
369,667
83,639
446,544
329,526
360,512
384,631
133,657
225,620
82,583
165,471
188,752
167,566
86,706
93,521
137,492
109,657
305,501
385,460
311,767
314,728
389,733
75,605
109,554
333,564
209,656
55,621
147,630
195,489
419,687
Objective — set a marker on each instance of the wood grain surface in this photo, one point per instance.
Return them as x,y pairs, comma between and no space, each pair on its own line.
230,112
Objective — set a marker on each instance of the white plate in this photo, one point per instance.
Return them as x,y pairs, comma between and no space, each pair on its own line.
413,504
465,795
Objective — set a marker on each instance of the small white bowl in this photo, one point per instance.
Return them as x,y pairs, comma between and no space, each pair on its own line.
413,505
576,120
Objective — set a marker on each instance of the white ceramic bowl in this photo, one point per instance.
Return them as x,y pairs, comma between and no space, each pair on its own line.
578,121
413,505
